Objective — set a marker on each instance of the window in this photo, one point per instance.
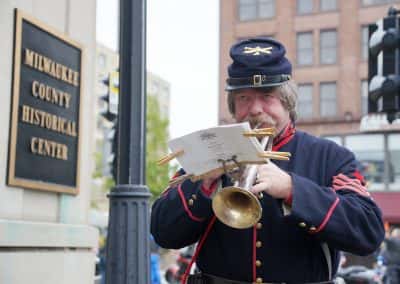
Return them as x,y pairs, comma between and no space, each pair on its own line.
378,158
364,42
394,161
327,5
305,105
364,97
328,42
369,151
304,6
305,48
377,2
336,139
256,9
247,37
101,60
266,8
328,99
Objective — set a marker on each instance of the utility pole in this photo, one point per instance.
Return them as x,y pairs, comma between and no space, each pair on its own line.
128,256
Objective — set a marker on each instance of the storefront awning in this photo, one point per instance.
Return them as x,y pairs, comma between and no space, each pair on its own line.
389,202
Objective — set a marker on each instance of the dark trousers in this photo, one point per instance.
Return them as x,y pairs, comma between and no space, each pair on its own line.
201,278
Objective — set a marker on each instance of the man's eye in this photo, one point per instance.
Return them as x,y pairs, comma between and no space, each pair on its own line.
266,96
243,98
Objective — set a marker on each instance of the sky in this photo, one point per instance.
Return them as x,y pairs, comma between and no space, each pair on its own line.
182,48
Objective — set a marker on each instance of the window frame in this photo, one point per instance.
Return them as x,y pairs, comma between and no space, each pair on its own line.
362,4
257,5
387,185
364,46
333,30
307,12
329,10
364,96
298,34
321,84
311,102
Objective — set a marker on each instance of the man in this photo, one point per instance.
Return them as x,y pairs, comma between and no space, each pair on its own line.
391,257
313,206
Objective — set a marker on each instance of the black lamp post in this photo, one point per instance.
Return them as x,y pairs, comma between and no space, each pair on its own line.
128,256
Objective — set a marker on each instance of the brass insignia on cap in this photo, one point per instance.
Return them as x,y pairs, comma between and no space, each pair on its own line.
257,50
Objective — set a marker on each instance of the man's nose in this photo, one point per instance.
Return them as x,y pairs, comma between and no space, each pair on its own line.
256,107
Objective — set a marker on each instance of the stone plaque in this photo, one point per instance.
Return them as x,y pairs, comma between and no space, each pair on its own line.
45,113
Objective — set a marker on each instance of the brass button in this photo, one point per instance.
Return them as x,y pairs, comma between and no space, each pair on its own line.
302,224
258,244
313,229
194,196
191,201
260,195
258,263
259,280
259,225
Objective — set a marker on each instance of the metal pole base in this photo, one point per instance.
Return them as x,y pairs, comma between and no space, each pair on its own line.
128,256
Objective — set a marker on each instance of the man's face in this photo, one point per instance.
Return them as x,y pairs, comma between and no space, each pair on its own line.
260,106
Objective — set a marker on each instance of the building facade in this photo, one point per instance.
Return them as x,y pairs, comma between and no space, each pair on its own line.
44,232
327,43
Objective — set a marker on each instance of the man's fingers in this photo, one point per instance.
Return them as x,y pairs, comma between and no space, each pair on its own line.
263,186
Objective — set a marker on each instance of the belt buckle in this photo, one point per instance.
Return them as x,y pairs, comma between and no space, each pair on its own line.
257,80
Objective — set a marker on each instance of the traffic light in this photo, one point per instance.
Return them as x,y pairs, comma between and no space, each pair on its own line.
383,66
112,139
110,112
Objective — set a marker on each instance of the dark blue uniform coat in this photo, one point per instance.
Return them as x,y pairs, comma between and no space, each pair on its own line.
329,205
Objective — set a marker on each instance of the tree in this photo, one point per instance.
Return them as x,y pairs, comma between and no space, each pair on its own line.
157,177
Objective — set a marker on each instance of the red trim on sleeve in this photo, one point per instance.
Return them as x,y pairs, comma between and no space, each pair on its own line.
186,206
208,191
177,174
165,191
254,253
168,188
327,217
289,199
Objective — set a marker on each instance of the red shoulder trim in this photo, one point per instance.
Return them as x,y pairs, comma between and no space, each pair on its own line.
359,176
343,182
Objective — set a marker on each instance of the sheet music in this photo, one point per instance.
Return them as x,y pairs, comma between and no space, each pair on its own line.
203,148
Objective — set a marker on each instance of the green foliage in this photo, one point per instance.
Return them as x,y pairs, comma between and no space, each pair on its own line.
157,177
98,171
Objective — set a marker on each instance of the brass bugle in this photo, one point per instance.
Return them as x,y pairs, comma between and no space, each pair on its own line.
236,206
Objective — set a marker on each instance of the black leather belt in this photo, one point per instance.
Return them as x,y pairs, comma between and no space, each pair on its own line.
202,278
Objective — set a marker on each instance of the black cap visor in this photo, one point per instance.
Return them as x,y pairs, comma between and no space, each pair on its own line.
256,81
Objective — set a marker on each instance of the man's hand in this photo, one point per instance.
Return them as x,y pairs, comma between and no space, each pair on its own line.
274,181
